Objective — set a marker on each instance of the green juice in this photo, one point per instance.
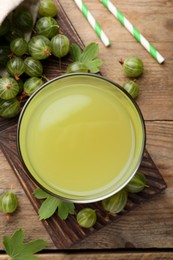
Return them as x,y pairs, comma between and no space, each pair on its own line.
81,137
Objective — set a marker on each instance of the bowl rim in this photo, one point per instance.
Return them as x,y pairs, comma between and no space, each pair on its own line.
85,200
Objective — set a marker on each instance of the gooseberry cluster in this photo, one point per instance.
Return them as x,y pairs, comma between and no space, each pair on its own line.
22,59
114,204
133,68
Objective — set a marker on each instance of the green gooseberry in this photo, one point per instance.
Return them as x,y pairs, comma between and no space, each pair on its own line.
39,47
47,26
19,46
137,183
31,85
16,67
116,202
13,34
133,67
47,8
9,88
9,202
86,217
33,67
132,88
22,18
60,45
9,108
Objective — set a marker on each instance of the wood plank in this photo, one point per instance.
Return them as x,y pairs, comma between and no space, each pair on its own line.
141,228
112,256
103,256
156,95
160,146
67,233
125,232
25,217
151,224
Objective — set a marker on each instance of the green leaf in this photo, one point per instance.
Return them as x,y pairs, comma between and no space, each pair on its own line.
40,194
75,52
94,65
18,250
65,208
34,246
88,57
51,204
48,207
14,243
89,53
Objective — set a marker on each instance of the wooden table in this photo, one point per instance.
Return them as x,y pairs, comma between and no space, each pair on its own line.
148,228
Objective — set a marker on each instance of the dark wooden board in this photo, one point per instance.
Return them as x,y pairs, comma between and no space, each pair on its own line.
65,234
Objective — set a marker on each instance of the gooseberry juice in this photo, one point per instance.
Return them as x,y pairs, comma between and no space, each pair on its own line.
82,139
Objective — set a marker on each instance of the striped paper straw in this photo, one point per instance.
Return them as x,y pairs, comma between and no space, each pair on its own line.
93,22
138,36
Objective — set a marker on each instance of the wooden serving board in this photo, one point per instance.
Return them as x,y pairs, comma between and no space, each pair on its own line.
65,234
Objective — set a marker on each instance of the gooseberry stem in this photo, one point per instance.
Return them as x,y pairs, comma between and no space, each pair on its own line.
44,77
11,55
8,216
9,86
16,77
121,61
22,96
47,52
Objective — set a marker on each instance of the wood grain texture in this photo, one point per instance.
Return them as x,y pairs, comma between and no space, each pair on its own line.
25,217
65,234
154,20
104,256
151,224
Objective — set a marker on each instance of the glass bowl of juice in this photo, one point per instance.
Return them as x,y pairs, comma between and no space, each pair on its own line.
81,137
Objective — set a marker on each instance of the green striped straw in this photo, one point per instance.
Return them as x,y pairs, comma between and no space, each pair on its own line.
138,36
93,22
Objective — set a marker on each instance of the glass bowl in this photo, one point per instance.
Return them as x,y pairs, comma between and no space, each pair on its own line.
81,137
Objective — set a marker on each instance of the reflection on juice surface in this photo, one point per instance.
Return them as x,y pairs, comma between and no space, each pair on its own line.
84,140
